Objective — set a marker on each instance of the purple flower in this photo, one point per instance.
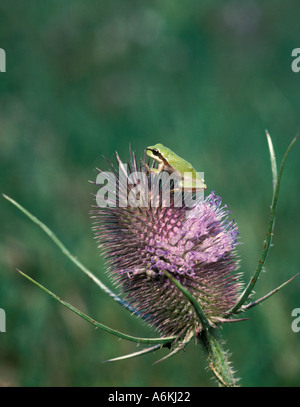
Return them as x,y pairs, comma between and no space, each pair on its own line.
195,244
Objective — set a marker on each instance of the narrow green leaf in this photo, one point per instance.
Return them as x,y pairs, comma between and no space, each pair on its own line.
181,345
135,354
67,253
260,300
97,324
249,288
273,161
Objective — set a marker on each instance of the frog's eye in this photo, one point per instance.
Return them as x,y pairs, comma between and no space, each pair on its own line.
155,151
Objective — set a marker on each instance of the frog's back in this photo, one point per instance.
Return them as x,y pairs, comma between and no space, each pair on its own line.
173,160
181,164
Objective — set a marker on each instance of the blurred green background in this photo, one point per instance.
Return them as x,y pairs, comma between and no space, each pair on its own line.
87,78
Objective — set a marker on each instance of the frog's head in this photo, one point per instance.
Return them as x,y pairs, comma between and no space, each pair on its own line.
156,152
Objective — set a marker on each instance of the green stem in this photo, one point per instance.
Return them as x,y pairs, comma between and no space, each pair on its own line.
217,357
211,340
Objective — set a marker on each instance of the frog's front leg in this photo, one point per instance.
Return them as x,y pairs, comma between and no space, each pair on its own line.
156,170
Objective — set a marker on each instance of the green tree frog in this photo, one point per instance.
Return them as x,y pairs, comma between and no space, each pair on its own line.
172,163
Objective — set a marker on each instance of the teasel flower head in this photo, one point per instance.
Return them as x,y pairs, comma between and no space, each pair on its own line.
196,244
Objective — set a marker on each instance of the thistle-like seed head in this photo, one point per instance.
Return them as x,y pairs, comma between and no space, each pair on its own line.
195,244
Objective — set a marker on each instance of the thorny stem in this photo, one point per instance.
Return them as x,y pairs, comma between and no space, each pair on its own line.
210,338
217,357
